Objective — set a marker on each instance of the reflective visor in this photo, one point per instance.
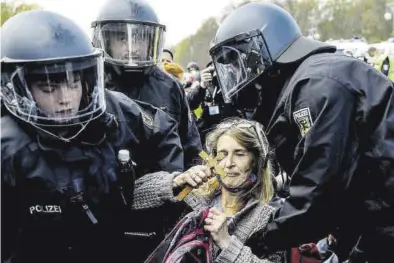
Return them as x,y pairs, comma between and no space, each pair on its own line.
130,44
239,61
57,93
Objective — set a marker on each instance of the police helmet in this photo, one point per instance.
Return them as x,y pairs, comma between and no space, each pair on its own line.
254,38
52,76
130,34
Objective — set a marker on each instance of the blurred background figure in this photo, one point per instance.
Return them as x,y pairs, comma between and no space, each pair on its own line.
167,56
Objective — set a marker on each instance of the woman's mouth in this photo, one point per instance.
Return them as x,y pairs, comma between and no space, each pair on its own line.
232,174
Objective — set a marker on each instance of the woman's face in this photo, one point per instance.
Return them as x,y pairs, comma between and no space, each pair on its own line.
236,161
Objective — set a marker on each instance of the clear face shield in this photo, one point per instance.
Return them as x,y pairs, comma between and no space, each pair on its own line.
130,44
239,61
60,93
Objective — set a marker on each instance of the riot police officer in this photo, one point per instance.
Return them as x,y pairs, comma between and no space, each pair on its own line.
132,38
329,119
63,199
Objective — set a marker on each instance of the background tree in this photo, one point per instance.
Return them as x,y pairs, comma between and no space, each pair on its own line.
12,8
196,47
325,19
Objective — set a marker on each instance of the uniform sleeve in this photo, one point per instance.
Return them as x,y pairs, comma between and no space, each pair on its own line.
189,134
167,144
195,97
317,180
153,190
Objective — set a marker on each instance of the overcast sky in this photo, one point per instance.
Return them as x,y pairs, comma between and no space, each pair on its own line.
182,17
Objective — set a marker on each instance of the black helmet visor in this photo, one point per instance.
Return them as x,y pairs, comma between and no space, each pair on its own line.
239,61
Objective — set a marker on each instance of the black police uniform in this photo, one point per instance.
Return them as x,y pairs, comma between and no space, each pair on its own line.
329,119
40,176
141,79
331,133
158,88
60,196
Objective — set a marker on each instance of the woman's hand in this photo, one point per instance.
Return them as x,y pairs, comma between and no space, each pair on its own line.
195,177
216,224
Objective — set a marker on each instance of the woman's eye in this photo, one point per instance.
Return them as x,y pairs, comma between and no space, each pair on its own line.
220,156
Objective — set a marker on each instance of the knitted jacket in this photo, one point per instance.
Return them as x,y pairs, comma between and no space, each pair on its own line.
153,190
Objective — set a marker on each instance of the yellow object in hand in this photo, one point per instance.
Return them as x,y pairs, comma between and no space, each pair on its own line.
211,162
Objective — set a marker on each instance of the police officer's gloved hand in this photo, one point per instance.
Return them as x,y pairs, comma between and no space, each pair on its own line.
206,77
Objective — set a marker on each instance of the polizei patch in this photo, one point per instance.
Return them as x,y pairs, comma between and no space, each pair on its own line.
303,119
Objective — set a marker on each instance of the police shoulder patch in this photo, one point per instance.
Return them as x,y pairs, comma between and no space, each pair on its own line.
303,119
147,119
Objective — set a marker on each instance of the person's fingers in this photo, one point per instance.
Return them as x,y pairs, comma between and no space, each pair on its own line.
214,211
203,176
206,76
208,221
208,228
209,172
197,178
190,181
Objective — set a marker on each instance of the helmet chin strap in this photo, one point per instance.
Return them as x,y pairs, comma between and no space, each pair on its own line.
64,139
246,185
68,139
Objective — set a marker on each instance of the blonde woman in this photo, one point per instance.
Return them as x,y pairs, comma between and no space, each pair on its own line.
238,201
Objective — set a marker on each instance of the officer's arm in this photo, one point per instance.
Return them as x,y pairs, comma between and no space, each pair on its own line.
309,212
166,143
188,132
195,97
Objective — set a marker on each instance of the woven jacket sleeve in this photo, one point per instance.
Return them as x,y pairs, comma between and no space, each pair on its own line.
238,252
153,190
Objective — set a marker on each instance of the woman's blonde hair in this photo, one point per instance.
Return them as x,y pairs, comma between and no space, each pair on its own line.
250,135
